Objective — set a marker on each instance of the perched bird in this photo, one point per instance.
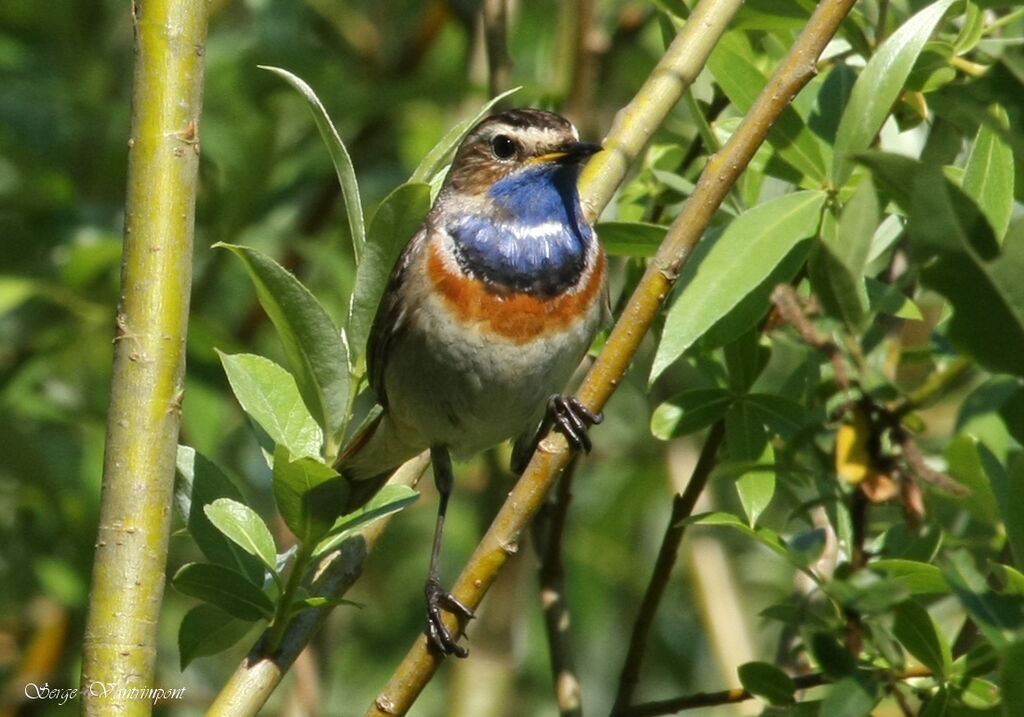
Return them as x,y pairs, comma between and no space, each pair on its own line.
486,315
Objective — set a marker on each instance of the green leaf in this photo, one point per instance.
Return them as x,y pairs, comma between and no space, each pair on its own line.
15,291
269,395
919,635
206,630
339,157
837,266
953,241
832,656
757,487
314,347
745,359
964,456
767,682
244,527
853,696
722,272
999,616
768,538
979,694
225,588
638,239
1010,683
204,483
436,159
933,68
989,174
917,577
807,547
940,704
309,495
782,416
745,435
971,31
879,85
689,411
388,500
742,82
312,603
394,223
1013,508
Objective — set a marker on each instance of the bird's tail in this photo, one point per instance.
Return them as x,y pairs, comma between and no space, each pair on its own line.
372,456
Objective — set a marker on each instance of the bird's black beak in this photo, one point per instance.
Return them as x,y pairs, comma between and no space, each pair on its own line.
571,152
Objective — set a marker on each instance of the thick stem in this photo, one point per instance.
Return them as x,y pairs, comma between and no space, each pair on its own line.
149,356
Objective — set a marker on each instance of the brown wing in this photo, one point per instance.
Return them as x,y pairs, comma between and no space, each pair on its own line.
390,318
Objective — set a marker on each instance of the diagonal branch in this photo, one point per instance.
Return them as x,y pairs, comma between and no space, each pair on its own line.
633,126
149,356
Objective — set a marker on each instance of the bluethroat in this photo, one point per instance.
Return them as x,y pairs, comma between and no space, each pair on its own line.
486,315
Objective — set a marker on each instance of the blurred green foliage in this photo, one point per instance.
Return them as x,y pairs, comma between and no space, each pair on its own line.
395,76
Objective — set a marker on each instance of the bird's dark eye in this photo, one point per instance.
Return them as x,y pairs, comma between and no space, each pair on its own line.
503,146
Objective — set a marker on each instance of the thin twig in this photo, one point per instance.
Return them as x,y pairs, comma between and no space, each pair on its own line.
738,694
554,603
682,507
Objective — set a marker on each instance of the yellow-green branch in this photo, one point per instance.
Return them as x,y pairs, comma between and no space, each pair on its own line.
149,357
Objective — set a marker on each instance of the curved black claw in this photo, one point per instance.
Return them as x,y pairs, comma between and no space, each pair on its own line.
440,636
573,419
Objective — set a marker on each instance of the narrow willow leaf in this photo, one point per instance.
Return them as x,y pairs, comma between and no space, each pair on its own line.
206,630
878,86
920,636
853,696
781,415
767,682
745,435
721,273
436,159
961,259
689,411
207,483
742,82
989,174
837,268
309,495
245,527
393,225
339,156
638,239
757,487
917,577
999,616
389,499
1010,682
269,395
766,537
315,349
225,588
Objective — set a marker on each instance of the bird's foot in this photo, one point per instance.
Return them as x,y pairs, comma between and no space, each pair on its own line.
438,634
573,420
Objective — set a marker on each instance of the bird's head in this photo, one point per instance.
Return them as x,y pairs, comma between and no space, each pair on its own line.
533,145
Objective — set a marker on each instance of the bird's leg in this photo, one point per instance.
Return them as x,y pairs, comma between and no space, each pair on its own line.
437,597
568,416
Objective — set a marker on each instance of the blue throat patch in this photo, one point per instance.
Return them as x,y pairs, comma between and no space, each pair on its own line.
535,241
